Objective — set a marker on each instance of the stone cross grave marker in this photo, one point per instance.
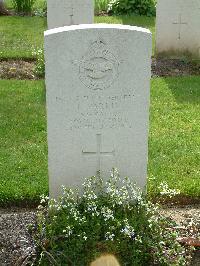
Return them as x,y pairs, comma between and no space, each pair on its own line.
69,12
98,82
178,28
98,153
179,23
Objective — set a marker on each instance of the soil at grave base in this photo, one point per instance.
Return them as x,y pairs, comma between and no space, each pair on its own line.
16,243
17,69
24,69
174,68
178,200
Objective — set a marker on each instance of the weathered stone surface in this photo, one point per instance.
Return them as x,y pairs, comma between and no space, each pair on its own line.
98,80
178,28
69,12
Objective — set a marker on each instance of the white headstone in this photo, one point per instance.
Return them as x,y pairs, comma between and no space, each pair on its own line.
178,28
69,12
98,83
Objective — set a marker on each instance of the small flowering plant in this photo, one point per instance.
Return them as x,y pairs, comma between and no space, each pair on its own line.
166,191
104,217
40,64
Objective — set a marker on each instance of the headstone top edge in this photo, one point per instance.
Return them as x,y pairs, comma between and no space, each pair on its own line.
96,26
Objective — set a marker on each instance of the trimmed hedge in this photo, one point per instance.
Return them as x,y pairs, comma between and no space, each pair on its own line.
140,7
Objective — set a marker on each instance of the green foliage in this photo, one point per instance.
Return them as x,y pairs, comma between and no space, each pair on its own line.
139,7
111,217
41,10
23,6
101,5
40,64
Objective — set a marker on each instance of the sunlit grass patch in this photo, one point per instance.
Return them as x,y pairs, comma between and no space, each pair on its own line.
21,35
174,146
174,139
23,153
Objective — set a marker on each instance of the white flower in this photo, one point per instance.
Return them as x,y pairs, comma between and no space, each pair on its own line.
114,174
128,230
89,196
107,213
165,190
54,217
92,208
40,207
84,236
44,199
68,231
109,236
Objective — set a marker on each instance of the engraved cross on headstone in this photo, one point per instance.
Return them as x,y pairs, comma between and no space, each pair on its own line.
71,16
72,13
180,23
99,153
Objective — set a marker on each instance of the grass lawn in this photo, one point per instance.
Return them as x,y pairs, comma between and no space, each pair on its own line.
20,35
174,140
23,153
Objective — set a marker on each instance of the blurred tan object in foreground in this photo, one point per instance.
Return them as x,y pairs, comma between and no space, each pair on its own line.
105,260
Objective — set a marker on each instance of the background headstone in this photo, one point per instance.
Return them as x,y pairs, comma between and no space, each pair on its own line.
178,28
69,12
98,83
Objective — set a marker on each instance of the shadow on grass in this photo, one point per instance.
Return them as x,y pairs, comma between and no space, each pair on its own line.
185,89
140,21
